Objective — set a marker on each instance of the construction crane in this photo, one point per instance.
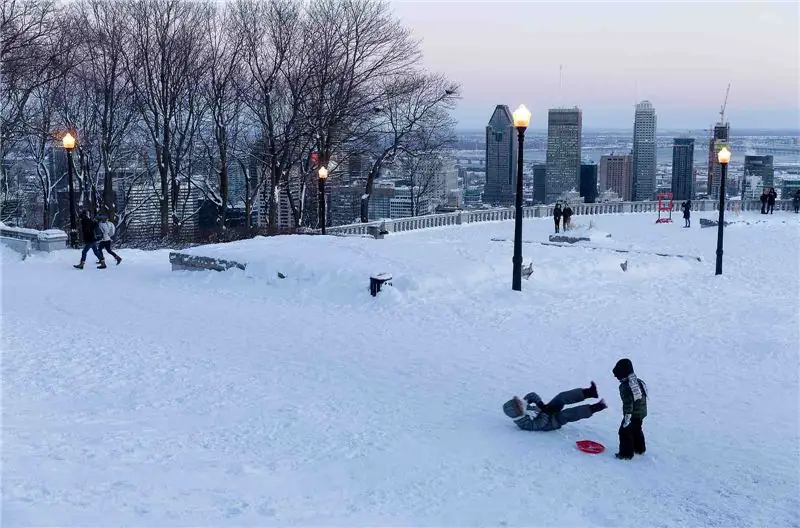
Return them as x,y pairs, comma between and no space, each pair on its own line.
724,106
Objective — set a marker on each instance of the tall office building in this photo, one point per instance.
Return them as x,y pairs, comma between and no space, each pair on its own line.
761,166
564,127
644,152
722,134
588,188
501,158
540,183
616,174
682,169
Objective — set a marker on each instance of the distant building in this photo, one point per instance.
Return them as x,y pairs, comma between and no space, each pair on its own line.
722,134
501,158
761,166
588,187
683,169
790,186
564,126
644,152
540,183
616,174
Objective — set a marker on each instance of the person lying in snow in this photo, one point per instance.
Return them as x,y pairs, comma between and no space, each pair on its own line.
532,414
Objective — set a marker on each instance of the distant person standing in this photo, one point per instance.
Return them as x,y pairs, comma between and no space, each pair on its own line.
107,231
89,231
796,201
687,213
771,197
764,197
567,217
557,215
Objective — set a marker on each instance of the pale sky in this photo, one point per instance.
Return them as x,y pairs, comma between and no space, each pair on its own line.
680,55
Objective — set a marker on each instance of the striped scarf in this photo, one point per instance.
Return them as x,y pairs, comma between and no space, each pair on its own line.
633,383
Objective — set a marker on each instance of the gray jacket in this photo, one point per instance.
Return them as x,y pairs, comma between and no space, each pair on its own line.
532,419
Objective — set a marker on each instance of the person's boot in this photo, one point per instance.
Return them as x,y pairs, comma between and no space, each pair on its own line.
119,260
78,266
102,265
591,392
599,406
623,457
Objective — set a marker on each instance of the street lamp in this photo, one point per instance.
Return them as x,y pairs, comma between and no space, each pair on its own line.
69,144
723,156
323,175
522,118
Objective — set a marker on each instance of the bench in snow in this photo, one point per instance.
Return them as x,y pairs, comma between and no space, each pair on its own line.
182,261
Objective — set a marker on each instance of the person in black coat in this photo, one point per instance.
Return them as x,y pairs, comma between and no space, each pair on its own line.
796,201
567,215
89,232
771,197
687,213
764,196
557,215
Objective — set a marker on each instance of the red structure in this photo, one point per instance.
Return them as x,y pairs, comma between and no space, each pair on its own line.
664,205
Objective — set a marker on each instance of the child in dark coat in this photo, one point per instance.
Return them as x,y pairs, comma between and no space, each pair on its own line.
633,392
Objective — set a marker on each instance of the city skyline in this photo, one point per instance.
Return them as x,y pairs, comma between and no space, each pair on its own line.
680,56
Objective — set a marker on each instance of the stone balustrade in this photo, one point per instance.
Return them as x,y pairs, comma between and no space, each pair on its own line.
48,240
413,223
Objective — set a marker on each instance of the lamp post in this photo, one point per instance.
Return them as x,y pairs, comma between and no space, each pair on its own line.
522,118
323,175
723,156
69,144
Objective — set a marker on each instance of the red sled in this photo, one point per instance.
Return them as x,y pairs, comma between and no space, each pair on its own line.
590,446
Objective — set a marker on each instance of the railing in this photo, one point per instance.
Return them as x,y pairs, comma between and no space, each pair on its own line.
48,240
397,225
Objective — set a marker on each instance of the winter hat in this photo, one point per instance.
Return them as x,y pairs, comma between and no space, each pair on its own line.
511,408
623,369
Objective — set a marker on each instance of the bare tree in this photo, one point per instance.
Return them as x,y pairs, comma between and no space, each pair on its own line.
100,103
412,106
272,34
356,47
221,91
28,60
166,65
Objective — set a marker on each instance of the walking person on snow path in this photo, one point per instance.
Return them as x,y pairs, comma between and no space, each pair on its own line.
567,217
532,414
89,231
687,213
107,231
557,215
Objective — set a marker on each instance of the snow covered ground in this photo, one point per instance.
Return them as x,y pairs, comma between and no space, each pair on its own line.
143,397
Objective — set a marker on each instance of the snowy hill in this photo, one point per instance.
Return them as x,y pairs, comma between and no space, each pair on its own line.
144,397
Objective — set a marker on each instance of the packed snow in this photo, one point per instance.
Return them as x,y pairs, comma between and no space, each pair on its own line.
140,396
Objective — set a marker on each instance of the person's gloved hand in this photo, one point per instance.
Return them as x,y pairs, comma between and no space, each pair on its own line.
626,420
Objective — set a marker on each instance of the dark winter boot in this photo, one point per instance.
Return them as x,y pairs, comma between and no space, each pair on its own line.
623,457
119,260
591,392
599,406
102,265
78,266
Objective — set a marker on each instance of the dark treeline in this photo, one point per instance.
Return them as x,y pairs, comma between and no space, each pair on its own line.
174,95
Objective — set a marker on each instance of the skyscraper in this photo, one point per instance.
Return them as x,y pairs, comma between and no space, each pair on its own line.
501,158
564,127
588,188
644,152
539,183
722,133
616,173
761,166
683,169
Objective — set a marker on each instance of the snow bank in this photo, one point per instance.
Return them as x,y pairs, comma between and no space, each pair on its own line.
240,399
